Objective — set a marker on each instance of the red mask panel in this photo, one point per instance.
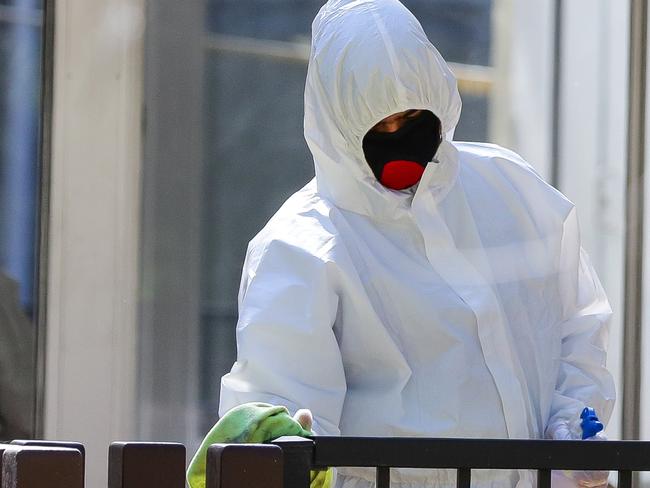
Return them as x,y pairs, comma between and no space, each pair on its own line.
401,174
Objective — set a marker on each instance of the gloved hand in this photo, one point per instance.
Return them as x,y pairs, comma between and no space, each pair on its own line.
564,431
319,479
305,418
255,423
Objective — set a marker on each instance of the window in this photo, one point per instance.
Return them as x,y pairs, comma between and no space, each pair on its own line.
224,149
255,155
20,143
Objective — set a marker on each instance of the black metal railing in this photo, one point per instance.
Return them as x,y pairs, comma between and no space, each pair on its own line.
287,462
292,458
463,455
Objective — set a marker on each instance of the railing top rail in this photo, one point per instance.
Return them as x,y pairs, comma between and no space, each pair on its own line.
479,453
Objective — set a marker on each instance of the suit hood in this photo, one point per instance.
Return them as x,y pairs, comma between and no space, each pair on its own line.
370,59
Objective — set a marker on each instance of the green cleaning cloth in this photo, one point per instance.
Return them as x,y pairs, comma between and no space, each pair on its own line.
251,423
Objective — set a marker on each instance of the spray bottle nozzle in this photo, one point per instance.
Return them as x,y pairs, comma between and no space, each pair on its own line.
590,423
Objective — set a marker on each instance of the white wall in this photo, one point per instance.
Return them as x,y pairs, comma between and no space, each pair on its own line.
172,212
645,377
521,104
593,112
593,148
91,318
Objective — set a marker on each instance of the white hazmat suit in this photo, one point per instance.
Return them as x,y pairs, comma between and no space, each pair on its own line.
464,308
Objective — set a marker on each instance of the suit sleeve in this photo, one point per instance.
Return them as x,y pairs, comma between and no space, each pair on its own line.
287,353
583,379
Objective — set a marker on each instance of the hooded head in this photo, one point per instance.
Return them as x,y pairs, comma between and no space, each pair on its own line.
369,59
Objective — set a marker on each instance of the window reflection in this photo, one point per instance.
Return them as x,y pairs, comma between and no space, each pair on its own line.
20,64
254,150
254,60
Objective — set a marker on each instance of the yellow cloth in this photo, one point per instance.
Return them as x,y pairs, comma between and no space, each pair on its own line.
252,423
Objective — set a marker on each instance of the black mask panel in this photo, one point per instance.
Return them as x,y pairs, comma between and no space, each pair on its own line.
398,158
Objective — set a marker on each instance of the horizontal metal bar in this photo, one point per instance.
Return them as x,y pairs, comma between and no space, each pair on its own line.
481,453
266,48
15,15
472,79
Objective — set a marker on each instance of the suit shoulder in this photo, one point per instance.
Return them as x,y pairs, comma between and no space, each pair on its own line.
478,152
494,165
300,229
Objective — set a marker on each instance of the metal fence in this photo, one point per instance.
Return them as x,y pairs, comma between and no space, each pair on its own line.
463,455
286,463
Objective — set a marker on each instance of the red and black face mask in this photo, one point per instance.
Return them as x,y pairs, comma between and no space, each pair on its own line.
398,158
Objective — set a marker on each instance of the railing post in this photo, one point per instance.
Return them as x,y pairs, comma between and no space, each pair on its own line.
383,477
244,465
624,479
66,444
2,450
36,467
298,454
543,478
463,478
146,465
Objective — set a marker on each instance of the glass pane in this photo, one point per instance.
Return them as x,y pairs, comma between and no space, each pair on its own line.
276,20
461,31
254,156
240,108
250,98
20,58
446,22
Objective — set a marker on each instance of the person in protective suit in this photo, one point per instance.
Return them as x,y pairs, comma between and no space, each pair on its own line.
418,286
